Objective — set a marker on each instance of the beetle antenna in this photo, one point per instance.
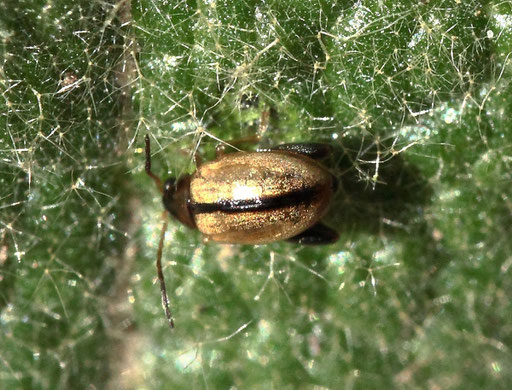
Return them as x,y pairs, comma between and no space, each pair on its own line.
165,298
155,178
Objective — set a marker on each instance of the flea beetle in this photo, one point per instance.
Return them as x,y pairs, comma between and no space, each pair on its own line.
252,198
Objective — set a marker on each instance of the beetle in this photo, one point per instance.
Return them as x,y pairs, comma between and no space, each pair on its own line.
257,197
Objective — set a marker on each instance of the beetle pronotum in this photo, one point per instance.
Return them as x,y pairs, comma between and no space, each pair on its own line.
251,198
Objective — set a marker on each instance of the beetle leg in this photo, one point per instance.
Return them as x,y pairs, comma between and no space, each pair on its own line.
262,128
220,149
252,139
318,234
314,150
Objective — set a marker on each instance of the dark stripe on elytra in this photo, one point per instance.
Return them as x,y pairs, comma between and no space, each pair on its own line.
295,198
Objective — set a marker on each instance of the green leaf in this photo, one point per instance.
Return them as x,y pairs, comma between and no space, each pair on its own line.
415,98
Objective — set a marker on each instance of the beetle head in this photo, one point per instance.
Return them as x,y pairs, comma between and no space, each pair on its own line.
176,199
